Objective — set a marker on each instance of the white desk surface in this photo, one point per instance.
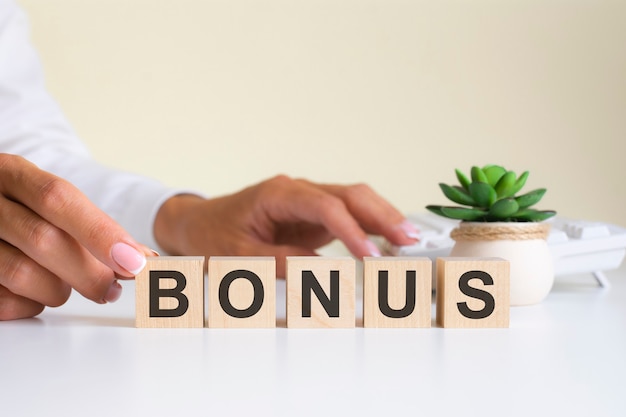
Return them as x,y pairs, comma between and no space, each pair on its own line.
563,357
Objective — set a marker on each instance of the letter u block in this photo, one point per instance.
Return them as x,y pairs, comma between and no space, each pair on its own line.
169,292
321,292
242,292
397,292
473,292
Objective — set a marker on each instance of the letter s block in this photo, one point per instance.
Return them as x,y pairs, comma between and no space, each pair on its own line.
473,292
169,292
397,292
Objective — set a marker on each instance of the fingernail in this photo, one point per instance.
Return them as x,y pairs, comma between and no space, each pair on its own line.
372,248
128,257
114,293
409,230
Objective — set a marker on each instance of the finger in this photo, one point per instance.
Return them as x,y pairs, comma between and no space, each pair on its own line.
290,201
57,251
24,277
307,235
374,213
63,205
334,215
13,307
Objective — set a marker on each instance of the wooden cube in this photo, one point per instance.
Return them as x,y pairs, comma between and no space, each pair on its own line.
321,292
473,292
397,292
242,292
169,292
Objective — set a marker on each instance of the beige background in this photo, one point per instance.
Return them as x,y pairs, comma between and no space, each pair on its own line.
216,95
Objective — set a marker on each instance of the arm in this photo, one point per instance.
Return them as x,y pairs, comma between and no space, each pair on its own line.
33,126
52,237
278,217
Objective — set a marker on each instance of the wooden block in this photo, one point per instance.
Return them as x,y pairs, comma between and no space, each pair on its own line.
321,292
397,292
169,292
242,292
473,292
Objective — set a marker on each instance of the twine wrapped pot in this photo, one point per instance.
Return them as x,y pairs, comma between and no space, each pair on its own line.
522,244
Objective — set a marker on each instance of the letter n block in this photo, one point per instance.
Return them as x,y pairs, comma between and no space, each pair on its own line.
169,292
473,292
242,292
321,292
397,292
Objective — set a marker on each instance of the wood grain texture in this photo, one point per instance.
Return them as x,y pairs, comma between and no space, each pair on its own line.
166,273
398,307
248,285
473,292
325,271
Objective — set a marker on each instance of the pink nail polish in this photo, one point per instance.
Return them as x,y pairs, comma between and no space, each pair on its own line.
128,258
372,248
409,230
114,293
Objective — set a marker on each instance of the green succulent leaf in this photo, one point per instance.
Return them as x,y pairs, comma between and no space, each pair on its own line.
489,194
463,213
520,182
435,209
463,180
493,173
457,194
532,215
478,175
530,198
505,186
483,194
503,209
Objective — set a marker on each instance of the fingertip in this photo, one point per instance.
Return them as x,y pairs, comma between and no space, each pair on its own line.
113,293
404,233
362,248
372,249
129,258
409,230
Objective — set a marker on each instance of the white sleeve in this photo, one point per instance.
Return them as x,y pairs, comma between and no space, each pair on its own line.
33,126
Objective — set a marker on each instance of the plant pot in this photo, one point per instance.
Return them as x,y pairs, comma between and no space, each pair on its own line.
522,244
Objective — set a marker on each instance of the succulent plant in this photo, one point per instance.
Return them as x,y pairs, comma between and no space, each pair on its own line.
489,195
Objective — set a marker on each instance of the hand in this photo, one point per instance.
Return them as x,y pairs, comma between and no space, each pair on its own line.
53,239
280,217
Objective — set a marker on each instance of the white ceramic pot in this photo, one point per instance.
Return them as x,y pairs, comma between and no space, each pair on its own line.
522,244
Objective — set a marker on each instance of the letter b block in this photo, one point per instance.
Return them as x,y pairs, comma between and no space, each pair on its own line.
169,292
473,292
320,292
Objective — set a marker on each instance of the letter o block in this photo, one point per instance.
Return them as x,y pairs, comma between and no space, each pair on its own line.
242,292
169,292
473,292
397,292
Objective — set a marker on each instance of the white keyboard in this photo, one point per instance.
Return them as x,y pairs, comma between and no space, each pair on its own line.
577,246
